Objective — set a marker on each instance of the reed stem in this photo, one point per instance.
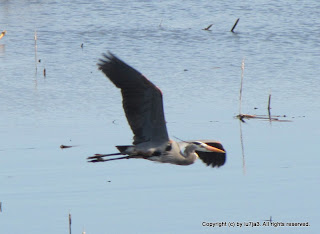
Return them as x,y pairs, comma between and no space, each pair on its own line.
241,85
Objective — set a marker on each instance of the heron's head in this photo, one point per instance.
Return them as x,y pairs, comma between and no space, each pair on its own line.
200,146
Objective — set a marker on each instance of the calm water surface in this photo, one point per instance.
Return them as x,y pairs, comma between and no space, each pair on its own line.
276,174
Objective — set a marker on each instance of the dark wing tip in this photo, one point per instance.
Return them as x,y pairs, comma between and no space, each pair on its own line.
213,159
108,58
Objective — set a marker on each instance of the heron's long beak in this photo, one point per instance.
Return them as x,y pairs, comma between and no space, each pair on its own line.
214,149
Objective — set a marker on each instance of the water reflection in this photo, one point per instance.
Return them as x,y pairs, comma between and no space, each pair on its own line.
2,49
242,149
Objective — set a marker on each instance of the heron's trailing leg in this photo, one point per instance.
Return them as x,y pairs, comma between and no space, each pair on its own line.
100,159
100,156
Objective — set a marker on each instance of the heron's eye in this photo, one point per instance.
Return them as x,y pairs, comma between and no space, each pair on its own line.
169,147
197,143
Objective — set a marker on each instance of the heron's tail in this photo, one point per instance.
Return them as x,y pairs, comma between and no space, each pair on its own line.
125,149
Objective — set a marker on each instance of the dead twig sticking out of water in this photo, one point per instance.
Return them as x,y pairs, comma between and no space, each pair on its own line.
0,207
269,220
65,146
208,28
69,223
2,34
160,25
44,72
241,85
276,118
269,117
235,24
35,50
269,108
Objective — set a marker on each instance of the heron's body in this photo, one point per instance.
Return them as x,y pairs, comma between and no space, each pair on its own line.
142,103
179,153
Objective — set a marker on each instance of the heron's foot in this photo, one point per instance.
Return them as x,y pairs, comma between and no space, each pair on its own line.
100,159
96,160
95,157
100,156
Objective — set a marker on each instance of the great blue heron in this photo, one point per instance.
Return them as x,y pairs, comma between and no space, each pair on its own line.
143,106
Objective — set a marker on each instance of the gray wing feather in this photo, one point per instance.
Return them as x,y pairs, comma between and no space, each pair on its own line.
141,99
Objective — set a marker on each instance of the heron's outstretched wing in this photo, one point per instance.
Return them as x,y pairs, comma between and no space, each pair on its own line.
141,99
212,158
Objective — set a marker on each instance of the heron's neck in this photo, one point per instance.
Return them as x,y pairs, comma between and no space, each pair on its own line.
189,153
190,149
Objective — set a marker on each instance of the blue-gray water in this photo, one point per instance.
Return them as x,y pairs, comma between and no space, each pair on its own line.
199,74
